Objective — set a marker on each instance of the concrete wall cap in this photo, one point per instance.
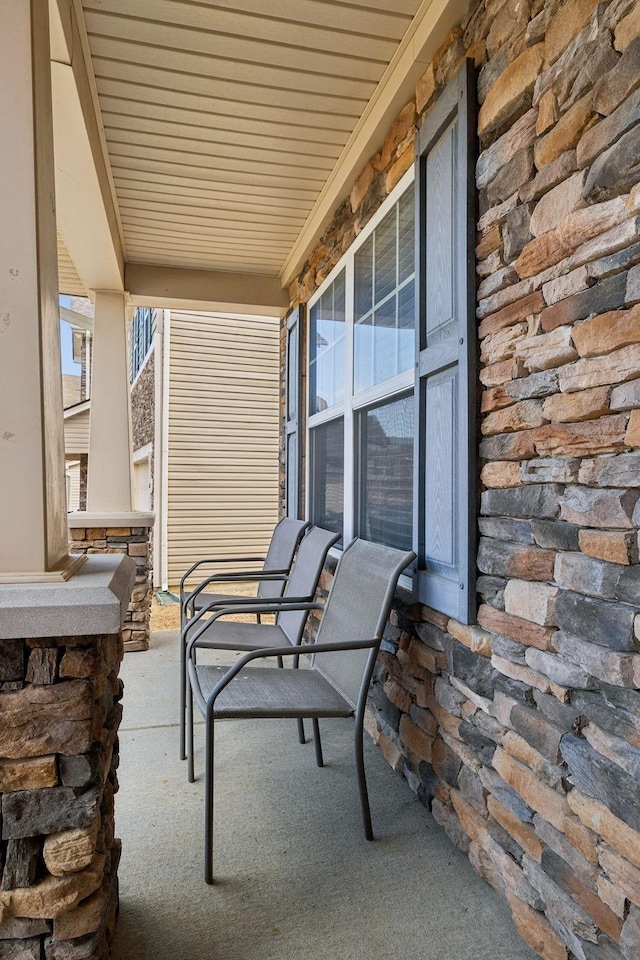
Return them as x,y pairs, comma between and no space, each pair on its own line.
94,601
81,518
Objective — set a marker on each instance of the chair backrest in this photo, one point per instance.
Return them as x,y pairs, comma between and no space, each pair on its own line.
286,536
303,580
357,608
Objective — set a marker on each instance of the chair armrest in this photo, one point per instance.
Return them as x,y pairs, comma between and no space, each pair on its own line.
279,605
248,576
199,563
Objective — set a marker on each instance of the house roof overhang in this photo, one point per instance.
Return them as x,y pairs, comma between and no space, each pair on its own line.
202,148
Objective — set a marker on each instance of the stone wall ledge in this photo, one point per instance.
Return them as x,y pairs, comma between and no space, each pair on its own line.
94,601
82,518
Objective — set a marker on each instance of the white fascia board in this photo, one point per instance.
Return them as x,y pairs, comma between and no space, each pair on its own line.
428,31
83,407
76,319
178,288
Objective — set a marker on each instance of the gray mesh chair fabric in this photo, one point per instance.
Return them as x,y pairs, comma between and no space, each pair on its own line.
224,634
355,599
336,683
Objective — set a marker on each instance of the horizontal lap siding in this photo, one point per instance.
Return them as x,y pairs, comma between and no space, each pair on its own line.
223,437
76,433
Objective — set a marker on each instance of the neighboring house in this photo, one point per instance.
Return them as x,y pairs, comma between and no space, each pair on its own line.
76,400
71,392
205,422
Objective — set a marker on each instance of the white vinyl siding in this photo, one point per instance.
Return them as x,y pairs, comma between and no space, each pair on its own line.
223,426
72,473
76,432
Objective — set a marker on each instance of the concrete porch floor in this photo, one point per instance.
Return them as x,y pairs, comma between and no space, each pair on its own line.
297,879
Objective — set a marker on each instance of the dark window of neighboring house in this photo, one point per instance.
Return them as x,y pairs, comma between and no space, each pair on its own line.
140,339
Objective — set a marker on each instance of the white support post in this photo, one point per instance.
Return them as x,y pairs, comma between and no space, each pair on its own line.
109,483
33,514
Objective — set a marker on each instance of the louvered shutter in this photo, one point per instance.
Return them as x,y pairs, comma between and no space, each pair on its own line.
445,452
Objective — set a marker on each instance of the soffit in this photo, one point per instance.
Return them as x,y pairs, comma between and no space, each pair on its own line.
223,123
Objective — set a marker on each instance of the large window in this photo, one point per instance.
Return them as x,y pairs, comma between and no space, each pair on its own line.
361,372
391,399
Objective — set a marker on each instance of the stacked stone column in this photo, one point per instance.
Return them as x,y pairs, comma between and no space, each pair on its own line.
132,541
59,715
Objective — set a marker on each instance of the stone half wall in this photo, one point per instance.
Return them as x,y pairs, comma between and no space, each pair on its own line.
59,715
134,542
522,731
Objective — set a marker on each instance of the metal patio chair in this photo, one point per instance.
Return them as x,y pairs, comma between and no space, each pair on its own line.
290,617
285,538
337,681
270,578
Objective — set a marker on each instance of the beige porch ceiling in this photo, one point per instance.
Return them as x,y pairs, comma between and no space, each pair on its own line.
224,123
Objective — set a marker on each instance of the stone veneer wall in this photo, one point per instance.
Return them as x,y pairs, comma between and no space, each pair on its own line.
59,716
522,731
143,405
136,543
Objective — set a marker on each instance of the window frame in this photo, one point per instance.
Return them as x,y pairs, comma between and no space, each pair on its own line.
351,407
293,421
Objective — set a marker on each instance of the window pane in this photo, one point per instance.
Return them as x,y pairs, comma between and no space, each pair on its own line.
385,363
386,475
326,367
385,257
292,475
327,475
406,325
384,272
406,236
364,279
292,373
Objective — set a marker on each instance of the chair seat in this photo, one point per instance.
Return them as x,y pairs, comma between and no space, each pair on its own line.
231,635
265,692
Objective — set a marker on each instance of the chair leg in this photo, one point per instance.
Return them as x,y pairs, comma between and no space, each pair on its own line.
301,735
183,697
208,812
317,742
362,781
190,764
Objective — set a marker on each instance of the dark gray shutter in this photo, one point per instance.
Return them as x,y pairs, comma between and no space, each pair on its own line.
293,414
445,452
